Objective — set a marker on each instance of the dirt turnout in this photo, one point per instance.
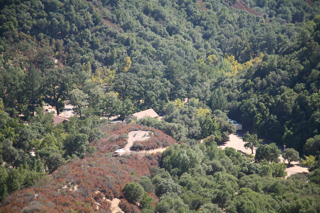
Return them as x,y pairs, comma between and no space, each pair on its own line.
135,136
236,142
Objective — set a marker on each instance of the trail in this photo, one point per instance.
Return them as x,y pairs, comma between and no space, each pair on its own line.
115,205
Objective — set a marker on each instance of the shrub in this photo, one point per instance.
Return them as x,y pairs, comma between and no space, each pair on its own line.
107,193
146,203
146,183
127,207
167,186
34,206
91,150
124,136
249,155
113,138
133,192
137,146
225,136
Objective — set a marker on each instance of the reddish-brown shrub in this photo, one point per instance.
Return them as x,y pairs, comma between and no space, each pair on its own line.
73,185
128,207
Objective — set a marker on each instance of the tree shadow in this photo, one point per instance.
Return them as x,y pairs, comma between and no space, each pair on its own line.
290,165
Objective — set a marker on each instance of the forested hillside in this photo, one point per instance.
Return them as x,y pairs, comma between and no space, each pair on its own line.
200,177
197,62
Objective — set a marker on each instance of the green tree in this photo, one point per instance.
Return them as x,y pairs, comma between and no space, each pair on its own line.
126,86
172,203
209,127
127,108
278,169
33,83
252,141
177,77
50,141
218,100
309,161
76,144
12,87
265,171
312,146
111,104
79,99
146,183
209,208
54,161
56,87
290,154
9,153
270,152
3,182
133,192
167,186
4,117
26,136
146,202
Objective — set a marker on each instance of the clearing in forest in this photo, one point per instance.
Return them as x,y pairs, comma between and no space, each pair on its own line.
236,142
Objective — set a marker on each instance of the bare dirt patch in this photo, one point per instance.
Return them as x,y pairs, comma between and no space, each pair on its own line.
236,142
115,205
135,136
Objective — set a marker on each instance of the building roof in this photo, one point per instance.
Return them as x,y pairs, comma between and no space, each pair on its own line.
234,122
146,113
58,119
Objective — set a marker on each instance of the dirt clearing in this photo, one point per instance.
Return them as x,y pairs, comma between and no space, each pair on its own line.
236,142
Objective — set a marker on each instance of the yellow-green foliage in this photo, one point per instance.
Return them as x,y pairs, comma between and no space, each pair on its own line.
309,161
179,103
237,67
103,75
127,64
202,112
212,59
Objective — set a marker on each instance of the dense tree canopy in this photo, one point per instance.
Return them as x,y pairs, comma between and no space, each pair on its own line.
196,63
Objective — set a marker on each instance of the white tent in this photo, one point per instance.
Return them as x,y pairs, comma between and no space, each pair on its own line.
120,151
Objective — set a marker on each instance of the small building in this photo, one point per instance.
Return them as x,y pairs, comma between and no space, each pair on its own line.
146,113
237,125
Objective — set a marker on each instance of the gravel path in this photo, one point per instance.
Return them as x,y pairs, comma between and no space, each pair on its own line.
237,143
